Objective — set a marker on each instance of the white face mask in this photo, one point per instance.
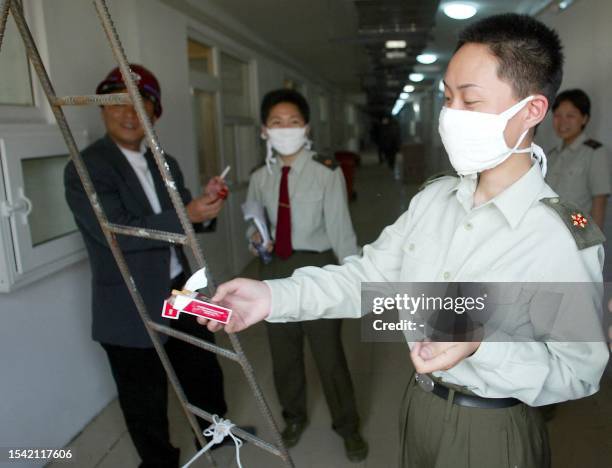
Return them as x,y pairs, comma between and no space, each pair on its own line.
285,141
475,141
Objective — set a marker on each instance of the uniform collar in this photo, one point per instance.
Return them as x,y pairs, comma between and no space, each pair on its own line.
513,202
298,163
577,143
136,157
518,198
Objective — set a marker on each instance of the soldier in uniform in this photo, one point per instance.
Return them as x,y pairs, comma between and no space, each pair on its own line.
498,221
304,196
579,168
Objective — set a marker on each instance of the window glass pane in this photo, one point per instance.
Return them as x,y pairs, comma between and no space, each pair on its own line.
43,185
15,81
323,109
235,87
229,149
205,127
200,57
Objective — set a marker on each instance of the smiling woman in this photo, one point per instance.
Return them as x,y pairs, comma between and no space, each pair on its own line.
579,166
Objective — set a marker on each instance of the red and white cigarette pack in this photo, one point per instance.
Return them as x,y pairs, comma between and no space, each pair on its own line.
194,304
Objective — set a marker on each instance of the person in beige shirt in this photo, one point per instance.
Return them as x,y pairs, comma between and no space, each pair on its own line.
320,218
498,221
304,197
579,168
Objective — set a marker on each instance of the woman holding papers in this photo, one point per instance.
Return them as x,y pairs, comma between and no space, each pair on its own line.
304,198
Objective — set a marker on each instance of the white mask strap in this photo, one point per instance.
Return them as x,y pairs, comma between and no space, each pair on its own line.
270,158
515,109
540,157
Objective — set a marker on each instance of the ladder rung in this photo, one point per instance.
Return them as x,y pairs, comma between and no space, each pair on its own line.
237,431
170,237
93,100
200,343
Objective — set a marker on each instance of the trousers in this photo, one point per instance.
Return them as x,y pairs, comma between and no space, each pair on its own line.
143,389
324,336
435,433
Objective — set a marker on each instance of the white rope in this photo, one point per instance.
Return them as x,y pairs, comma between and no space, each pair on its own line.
218,430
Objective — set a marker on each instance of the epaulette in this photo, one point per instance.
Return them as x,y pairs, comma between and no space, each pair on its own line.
435,177
593,144
328,162
582,227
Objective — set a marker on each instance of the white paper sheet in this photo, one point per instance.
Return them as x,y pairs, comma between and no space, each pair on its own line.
253,210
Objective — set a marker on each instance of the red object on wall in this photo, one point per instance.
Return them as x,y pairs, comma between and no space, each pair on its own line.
348,161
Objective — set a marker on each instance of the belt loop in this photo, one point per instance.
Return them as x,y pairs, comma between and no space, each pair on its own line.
449,404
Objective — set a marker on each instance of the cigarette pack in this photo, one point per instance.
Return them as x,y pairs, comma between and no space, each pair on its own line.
194,303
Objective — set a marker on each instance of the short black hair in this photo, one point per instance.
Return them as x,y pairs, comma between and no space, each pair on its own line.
278,96
577,97
530,54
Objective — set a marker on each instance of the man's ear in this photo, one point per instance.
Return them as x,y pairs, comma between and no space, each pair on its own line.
307,127
536,110
264,132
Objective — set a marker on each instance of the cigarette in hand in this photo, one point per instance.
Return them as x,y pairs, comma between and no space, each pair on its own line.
223,193
224,173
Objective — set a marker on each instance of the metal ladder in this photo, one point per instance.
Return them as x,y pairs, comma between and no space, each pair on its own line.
112,230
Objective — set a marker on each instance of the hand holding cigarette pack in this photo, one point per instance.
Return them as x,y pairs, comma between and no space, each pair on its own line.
193,303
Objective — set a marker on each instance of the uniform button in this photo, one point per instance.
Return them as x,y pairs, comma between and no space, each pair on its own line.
469,226
447,275
554,200
411,247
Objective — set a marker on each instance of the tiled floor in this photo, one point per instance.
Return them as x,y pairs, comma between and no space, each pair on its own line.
580,433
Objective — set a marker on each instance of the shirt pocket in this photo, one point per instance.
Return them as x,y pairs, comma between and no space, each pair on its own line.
576,170
307,208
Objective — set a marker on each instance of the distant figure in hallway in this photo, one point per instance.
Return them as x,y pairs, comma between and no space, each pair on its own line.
389,139
579,168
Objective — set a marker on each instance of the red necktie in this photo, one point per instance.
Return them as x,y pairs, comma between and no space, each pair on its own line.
282,246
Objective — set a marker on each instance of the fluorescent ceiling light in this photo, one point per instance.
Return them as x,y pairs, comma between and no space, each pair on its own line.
427,59
459,10
395,44
404,95
565,3
398,107
396,54
408,88
416,77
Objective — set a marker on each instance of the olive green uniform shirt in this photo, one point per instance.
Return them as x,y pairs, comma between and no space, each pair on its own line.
580,171
514,237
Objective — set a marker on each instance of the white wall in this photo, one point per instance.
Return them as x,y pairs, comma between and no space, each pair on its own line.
584,29
54,378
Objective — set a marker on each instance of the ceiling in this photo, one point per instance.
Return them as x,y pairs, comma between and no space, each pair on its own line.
343,41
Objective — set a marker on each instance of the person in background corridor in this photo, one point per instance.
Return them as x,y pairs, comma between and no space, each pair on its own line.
579,168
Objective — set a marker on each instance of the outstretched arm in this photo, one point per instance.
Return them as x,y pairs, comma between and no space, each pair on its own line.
313,293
